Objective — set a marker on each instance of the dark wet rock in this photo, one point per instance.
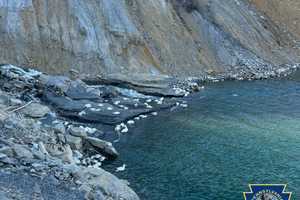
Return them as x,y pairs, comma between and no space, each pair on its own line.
97,112
103,146
88,111
35,110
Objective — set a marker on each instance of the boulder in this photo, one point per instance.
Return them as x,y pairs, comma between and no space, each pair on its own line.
60,83
59,128
104,146
78,90
3,196
77,131
3,116
22,151
104,182
7,150
36,110
74,142
15,102
2,156
63,152
4,99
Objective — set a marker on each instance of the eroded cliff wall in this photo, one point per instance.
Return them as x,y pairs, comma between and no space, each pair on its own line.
176,37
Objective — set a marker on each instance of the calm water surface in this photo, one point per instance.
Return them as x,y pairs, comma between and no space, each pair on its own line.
232,134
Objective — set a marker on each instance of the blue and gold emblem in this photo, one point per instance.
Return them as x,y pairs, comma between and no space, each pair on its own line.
267,192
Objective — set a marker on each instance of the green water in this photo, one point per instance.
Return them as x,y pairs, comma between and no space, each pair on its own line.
232,134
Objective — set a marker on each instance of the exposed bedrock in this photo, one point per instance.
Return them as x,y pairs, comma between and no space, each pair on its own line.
170,37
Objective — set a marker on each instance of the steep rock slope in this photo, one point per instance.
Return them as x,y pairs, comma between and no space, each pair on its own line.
173,37
286,14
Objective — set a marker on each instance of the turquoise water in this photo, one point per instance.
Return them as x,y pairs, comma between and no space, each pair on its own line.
232,134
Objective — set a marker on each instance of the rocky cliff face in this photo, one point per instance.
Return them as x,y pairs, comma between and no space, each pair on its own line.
174,37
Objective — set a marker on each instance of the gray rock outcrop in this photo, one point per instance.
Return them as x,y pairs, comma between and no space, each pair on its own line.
175,37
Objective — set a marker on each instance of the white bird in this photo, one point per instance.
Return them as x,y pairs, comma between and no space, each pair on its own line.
154,113
97,165
88,105
118,128
117,102
90,130
109,108
130,122
143,116
137,118
147,105
184,105
93,109
120,169
124,130
82,113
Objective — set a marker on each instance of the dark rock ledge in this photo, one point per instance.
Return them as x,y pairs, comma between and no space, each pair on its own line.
53,131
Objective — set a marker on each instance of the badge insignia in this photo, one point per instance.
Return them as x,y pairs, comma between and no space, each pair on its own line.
267,192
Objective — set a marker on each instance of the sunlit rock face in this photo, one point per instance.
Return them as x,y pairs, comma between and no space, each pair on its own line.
284,13
173,37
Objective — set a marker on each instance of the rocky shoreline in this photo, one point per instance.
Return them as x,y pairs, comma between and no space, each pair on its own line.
60,131
54,130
